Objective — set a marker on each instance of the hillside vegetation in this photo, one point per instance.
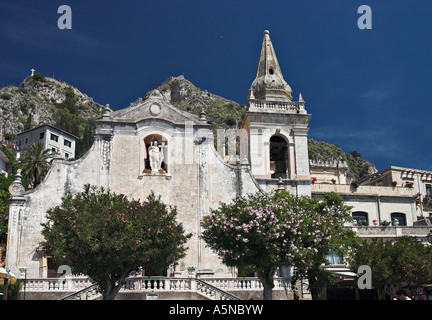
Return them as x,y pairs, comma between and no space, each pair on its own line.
39,100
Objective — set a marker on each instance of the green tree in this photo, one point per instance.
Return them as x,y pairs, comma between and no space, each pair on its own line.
262,232
394,264
34,161
84,144
106,236
336,214
68,121
38,77
29,122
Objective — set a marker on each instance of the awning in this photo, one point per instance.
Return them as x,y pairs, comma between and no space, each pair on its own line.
343,272
4,274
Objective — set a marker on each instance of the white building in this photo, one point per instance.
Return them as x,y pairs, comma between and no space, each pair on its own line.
54,139
4,163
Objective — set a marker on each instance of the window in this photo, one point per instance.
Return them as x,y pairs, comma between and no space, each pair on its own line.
66,155
54,137
400,217
67,143
41,135
429,190
334,258
26,140
53,150
360,217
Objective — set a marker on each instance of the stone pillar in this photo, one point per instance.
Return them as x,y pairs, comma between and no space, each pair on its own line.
202,142
16,204
301,153
258,152
302,173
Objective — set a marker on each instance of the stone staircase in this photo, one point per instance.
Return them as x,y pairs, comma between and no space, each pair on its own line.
89,293
201,287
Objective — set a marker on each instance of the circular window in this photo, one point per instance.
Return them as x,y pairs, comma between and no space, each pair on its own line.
271,70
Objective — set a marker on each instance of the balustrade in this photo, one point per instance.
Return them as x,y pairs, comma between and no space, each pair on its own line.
276,105
215,288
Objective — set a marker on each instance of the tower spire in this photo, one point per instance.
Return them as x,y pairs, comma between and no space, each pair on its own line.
269,83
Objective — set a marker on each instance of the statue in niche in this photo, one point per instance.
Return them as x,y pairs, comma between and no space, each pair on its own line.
155,156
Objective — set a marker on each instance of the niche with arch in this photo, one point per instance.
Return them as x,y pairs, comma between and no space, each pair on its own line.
162,144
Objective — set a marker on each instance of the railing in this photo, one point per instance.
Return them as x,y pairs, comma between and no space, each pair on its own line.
158,284
292,107
88,293
213,288
57,284
363,190
245,283
212,292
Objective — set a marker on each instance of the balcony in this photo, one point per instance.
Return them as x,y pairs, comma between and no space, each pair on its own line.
345,189
419,232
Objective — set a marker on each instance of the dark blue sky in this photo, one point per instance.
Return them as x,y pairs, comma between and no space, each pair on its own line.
367,90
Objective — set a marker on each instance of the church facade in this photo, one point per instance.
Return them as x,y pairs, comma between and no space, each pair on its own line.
153,146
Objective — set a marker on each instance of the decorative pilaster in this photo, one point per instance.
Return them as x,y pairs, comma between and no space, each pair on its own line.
16,204
104,140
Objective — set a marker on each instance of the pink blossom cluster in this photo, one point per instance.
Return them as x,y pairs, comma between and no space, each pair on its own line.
248,228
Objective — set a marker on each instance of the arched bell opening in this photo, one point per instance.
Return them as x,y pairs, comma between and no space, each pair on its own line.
279,159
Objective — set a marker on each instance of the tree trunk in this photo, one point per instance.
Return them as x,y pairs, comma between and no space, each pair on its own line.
266,277
313,285
112,288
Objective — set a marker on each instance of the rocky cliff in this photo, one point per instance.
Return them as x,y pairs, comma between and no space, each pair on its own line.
358,168
38,100
222,112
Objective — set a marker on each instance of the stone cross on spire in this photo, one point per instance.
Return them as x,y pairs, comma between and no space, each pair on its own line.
32,71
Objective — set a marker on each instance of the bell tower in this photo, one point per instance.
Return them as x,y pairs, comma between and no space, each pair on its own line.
277,127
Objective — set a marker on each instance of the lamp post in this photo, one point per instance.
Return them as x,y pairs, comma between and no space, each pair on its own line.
24,269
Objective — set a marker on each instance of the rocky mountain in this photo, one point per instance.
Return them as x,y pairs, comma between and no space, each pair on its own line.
39,100
45,100
358,168
180,92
